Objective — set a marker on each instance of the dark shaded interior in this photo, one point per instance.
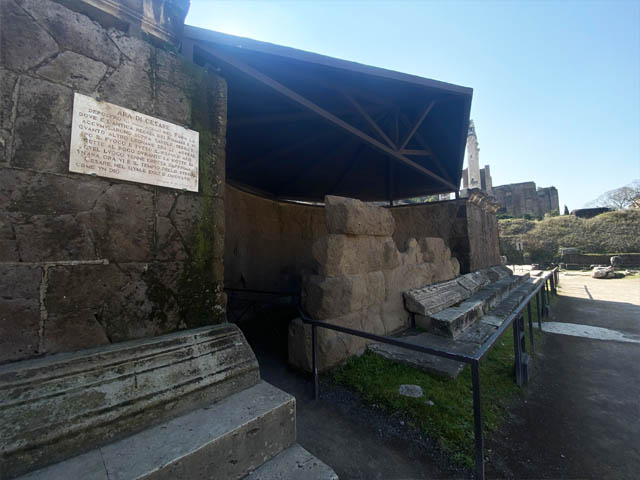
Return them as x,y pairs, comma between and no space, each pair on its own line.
280,148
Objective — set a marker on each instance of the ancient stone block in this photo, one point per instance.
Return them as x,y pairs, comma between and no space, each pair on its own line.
326,297
339,255
23,43
19,311
8,243
31,193
73,31
74,70
333,347
172,103
49,238
434,249
407,277
122,223
353,217
43,126
69,332
139,92
60,405
9,87
19,328
433,298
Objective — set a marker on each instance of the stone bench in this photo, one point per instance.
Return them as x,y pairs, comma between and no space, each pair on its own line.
448,308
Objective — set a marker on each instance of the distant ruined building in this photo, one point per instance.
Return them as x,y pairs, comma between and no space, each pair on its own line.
515,199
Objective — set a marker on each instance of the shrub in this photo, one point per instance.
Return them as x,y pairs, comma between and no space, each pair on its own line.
612,232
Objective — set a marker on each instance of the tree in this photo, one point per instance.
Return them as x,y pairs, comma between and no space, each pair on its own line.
619,198
566,210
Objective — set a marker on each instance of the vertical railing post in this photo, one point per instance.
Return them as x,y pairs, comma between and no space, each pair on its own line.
314,362
517,354
530,326
539,309
477,419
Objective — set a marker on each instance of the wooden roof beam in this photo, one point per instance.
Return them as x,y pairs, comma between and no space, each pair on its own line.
296,98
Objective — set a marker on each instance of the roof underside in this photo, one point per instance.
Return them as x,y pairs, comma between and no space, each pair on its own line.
302,126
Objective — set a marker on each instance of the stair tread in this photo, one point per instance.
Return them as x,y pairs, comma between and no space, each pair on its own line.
291,464
156,447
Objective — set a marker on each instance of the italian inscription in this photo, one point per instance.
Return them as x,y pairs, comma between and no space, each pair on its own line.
115,142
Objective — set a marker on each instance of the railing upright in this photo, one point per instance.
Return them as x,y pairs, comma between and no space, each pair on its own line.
541,295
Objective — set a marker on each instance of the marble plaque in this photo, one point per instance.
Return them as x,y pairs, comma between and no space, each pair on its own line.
115,142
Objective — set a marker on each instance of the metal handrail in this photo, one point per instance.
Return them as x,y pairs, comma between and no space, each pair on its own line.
543,296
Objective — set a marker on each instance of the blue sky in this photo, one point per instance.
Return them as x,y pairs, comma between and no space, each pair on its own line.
556,84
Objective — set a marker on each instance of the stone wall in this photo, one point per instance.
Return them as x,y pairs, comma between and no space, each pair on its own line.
468,227
85,260
584,260
268,243
359,280
519,199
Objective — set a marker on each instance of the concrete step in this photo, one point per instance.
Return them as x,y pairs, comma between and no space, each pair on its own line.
224,440
452,321
468,342
292,464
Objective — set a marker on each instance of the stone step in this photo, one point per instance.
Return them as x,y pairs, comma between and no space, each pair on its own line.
292,464
452,321
56,407
226,440
468,342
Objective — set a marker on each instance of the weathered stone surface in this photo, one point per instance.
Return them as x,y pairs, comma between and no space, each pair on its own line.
8,243
73,31
434,298
19,311
222,440
413,391
122,223
88,72
294,463
603,272
333,347
23,43
43,126
172,103
49,238
139,95
452,321
353,217
32,193
9,88
473,281
338,255
64,404
326,297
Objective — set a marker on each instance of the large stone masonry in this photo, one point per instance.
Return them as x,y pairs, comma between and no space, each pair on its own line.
360,279
88,261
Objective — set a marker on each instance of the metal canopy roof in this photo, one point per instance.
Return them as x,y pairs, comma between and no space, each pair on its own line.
302,125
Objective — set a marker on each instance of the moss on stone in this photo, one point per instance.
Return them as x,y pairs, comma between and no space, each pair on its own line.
200,293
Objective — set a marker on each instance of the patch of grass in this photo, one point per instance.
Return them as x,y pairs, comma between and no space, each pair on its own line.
450,419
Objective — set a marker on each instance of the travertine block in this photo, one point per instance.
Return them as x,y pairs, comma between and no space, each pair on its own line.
353,217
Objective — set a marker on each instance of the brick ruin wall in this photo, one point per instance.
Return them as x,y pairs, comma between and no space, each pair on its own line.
519,199
86,261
